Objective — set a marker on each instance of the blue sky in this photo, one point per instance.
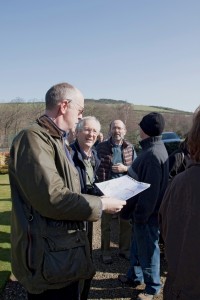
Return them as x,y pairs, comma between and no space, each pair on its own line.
142,51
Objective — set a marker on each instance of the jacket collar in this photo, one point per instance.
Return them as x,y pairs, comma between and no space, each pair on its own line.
149,141
124,143
45,122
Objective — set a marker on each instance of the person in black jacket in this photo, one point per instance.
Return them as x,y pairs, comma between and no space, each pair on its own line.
179,216
86,162
150,166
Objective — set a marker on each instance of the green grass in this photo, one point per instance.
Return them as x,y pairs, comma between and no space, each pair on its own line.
5,208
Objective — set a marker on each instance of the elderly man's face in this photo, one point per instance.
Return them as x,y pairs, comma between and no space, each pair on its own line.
88,135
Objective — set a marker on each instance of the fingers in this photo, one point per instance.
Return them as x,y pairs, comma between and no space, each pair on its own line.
121,203
112,205
119,168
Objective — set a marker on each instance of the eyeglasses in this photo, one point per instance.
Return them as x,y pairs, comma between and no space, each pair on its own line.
81,110
90,130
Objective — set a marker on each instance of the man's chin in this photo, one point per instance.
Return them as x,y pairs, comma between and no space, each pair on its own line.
89,144
118,139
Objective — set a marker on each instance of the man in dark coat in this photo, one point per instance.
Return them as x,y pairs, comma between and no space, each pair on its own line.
151,166
48,208
180,227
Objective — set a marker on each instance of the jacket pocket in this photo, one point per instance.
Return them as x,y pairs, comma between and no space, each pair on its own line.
67,257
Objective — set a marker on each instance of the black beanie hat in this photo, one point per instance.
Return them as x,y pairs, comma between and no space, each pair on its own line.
153,124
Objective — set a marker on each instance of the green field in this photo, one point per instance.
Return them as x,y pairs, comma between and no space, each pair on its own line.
5,208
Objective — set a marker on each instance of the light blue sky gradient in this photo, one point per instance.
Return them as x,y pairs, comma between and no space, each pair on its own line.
143,51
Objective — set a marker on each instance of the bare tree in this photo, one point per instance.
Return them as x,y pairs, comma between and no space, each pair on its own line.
18,114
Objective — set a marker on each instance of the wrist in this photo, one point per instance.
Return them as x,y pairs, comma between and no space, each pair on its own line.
125,168
103,203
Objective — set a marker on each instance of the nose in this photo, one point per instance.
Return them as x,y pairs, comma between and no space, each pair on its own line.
92,133
80,114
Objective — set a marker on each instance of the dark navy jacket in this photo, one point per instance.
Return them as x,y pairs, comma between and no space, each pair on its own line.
150,166
77,157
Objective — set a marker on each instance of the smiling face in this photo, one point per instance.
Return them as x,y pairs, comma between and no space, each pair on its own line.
87,135
117,131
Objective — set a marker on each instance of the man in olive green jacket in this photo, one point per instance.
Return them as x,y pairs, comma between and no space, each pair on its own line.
49,245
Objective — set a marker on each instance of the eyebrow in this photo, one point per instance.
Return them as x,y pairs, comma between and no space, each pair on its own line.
70,100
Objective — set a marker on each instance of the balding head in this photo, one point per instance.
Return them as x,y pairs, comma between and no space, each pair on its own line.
60,92
117,131
64,105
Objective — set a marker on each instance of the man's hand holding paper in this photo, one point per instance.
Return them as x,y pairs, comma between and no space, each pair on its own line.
112,205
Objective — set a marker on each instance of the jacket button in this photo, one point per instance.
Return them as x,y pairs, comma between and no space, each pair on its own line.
78,240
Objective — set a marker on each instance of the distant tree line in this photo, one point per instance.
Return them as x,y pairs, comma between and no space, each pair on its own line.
19,114
106,101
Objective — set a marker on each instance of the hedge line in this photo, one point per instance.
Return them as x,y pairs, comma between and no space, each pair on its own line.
4,157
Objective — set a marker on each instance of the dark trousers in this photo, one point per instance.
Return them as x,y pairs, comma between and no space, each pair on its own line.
86,289
70,292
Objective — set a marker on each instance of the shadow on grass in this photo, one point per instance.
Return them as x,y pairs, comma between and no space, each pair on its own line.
4,237
5,254
4,276
5,218
111,289
5,199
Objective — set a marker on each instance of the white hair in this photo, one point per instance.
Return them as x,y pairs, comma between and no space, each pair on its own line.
82,122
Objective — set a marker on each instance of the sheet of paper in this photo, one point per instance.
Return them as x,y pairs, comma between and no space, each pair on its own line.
123,187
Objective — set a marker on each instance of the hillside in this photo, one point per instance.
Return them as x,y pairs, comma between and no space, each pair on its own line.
136,107
16,115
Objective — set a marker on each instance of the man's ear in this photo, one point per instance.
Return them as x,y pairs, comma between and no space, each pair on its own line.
64,105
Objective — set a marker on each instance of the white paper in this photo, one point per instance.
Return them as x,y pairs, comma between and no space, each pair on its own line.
123,187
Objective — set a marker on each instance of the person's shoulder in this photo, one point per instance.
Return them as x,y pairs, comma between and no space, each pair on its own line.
153,156
31,129
74,149
102,145
126,144
95,155
175,153
36,128
176,158
30,134
94,151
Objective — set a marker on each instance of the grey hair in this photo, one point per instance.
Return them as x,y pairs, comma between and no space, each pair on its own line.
82,122
58,93
111,123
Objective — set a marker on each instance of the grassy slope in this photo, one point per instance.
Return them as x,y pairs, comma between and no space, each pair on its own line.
5,207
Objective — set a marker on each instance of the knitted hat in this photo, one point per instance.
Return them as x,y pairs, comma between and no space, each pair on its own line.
152,124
